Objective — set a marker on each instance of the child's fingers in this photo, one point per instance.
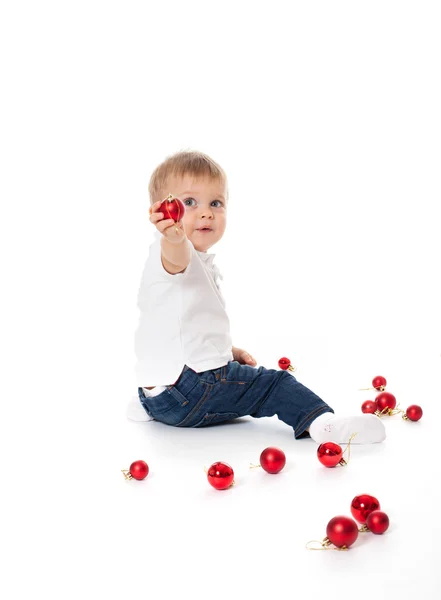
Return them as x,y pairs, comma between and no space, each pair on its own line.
165,224
155,218
172,231
154,207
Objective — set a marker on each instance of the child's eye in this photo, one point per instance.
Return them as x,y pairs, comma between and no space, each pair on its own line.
190,199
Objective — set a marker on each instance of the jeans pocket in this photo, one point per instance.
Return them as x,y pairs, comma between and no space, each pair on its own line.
212,418
238,374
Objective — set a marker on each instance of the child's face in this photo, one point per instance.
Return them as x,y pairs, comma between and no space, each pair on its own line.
205,206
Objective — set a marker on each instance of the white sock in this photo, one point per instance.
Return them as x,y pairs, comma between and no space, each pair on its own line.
135,410
155,391
329,428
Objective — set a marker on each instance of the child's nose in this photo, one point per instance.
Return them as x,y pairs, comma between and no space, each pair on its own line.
206,211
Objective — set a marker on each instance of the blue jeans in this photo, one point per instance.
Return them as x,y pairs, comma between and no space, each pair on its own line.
232,391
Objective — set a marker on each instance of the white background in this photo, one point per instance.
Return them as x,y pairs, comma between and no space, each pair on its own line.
325,116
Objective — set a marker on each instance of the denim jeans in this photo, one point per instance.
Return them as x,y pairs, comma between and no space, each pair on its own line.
232,391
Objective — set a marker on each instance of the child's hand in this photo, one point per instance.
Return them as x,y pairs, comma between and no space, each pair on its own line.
243,357
174,232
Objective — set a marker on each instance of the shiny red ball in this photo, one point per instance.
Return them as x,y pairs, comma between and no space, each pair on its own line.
139,469
386,400
414,412
220,475
377,521
379,383
369,406
362,506
329,454
272,460
342,531
284,363
172,209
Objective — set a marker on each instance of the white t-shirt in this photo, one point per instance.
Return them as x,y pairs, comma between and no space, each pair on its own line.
182,320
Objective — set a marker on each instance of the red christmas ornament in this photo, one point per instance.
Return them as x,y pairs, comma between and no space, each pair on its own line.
330,454
137,470
377,521
272,460
172,208
285,364
341,531
379,383
369,406
220,475
362,506
386,402
413,413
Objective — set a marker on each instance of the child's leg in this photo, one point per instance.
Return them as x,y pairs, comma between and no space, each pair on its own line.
309,415
291,401
235,390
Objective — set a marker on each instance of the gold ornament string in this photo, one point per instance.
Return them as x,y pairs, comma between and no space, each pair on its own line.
348,447
389,411
380,389
324,545
382,413
170,197
396,410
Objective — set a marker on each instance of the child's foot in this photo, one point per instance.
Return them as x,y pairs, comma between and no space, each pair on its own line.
135,410
329,428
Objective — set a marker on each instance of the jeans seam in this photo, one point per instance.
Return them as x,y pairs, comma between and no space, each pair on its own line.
198,405
311,414
210,416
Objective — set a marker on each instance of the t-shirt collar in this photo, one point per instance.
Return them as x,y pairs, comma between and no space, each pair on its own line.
207,257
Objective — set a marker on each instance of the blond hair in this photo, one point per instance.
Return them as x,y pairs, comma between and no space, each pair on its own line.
185,162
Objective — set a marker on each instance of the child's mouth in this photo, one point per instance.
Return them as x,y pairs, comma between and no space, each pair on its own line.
205,230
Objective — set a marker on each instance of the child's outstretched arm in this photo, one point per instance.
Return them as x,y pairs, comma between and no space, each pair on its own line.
175,246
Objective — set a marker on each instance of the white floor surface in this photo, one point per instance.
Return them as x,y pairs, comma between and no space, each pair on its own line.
82,531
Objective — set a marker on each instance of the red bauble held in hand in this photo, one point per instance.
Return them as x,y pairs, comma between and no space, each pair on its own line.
330,454
272,460
137,470
341,531
369,407
172,208
220,475
386,402
413,413
377,522
362,506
